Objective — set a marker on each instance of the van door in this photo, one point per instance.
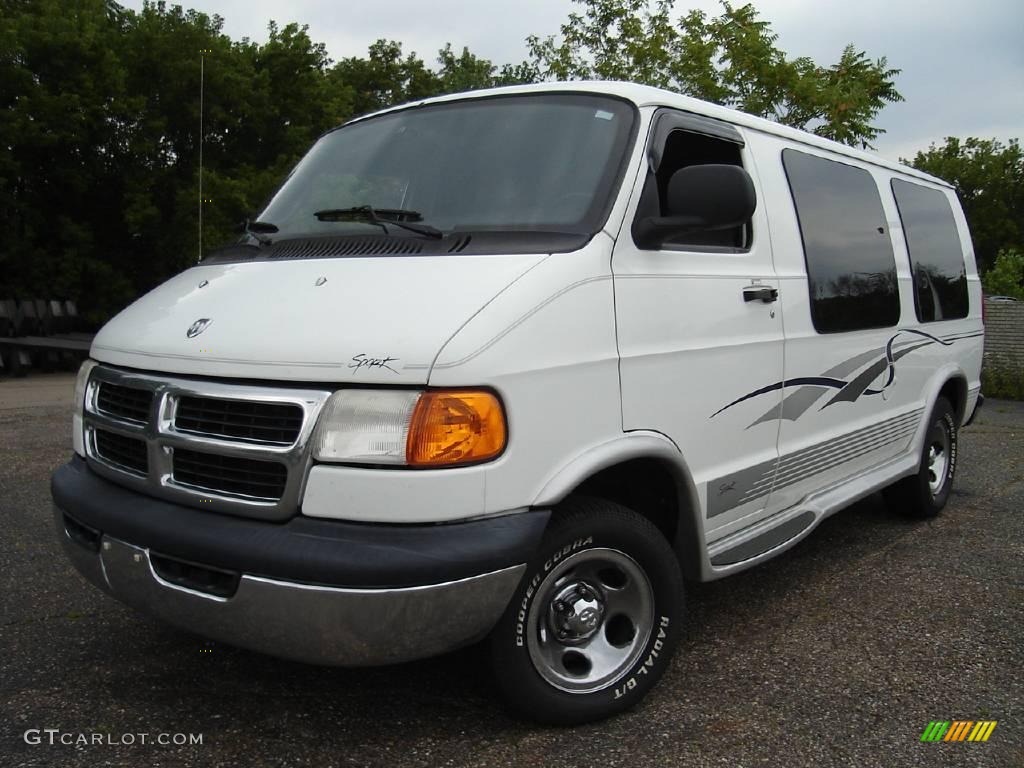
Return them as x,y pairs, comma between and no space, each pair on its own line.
852,392
697,323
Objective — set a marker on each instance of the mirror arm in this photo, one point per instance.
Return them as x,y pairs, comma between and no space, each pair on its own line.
653,230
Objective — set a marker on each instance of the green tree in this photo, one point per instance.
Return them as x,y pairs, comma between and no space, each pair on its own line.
730,59
99,115
468,72
465,72
386,77
1006,277
989,179
62,110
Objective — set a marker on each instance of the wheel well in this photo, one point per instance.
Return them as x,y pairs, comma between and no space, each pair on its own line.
955,390
652,488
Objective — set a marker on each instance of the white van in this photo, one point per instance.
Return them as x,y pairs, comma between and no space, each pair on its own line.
512,364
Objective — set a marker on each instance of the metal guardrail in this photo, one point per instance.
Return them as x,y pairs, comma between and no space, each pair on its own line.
40,333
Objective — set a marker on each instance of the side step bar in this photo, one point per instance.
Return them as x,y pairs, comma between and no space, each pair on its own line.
770,539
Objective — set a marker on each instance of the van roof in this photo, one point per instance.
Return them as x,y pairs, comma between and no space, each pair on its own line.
648,96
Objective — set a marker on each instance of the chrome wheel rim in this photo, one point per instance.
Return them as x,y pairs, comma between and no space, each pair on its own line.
938,461
591,620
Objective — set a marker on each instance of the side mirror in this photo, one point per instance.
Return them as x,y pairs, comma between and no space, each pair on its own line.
700,198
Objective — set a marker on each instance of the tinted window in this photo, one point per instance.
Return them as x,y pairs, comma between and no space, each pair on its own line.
850,264
936,259
536,162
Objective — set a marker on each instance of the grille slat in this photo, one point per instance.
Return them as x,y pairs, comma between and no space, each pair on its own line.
273,423
230,474
126,452
227,476
126,403
219,446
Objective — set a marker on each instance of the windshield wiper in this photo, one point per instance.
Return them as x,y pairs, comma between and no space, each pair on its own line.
258,229
382,217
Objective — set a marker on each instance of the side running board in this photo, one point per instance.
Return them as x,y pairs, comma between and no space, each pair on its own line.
770,539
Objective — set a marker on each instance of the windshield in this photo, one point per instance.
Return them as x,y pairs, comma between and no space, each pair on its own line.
536,162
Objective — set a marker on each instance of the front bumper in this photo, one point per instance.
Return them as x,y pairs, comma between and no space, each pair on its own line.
314,591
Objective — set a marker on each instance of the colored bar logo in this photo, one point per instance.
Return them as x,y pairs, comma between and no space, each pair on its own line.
959,730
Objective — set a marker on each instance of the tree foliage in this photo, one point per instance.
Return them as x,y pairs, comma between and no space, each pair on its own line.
989,179
99,141
730,59
1006,277
99,115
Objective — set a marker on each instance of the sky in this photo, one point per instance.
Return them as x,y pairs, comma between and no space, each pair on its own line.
963,63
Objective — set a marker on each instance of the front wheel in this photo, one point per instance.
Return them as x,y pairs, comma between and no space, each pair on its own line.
595,619
926,493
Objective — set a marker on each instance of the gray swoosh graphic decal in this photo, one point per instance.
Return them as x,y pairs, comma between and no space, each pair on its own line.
809,389
859,385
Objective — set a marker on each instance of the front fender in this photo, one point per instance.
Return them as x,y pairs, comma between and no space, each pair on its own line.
641,444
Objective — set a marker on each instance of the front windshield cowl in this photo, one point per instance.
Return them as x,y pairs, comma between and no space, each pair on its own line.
372,244
528,163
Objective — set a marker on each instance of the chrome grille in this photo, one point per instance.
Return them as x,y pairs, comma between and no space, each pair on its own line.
226,474
274,423
126,403
127,452
217,445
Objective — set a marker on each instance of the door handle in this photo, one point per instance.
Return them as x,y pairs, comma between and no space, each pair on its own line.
764,293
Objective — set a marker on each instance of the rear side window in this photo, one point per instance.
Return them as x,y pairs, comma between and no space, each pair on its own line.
850,264
936,258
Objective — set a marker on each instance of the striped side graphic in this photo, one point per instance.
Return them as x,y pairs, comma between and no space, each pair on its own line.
959,730
755,482
822,457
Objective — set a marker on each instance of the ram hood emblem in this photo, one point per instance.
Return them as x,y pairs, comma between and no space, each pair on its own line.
198,327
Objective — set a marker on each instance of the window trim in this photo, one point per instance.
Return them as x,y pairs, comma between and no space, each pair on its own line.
667,120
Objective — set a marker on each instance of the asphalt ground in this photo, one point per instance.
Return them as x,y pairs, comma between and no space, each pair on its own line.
838,652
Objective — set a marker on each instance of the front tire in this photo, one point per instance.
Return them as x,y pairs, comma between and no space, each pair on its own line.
595,619
925,494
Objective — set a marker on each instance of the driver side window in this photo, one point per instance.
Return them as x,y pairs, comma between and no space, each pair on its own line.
681,150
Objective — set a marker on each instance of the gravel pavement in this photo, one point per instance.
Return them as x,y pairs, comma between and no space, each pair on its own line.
838,652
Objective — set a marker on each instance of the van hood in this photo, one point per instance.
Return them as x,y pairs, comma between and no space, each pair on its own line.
372,320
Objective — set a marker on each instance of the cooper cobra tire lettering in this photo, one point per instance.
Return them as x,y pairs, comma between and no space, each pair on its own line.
524,606
953,446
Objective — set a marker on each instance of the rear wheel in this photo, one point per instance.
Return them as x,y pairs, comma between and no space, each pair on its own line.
595,619
926,493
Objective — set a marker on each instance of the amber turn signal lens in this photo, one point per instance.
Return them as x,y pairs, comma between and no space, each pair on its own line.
455,427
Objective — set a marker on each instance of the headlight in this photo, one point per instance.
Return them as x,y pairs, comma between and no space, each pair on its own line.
437,428
365,425
77,437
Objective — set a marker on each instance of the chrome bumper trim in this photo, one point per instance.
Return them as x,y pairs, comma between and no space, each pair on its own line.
305,622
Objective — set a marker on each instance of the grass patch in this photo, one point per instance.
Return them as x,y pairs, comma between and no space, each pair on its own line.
1003,383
